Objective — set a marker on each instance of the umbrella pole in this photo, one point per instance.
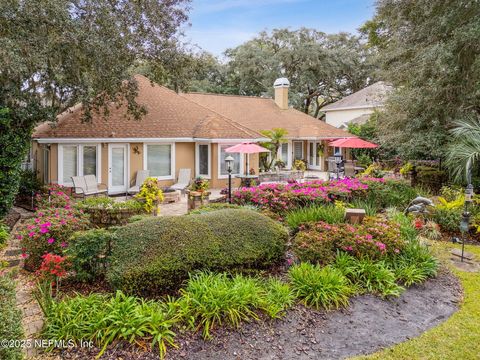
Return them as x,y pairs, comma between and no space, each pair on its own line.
246,170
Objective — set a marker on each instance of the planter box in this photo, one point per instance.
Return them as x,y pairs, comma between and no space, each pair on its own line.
197,199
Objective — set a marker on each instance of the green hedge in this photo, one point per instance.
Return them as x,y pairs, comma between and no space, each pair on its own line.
10,319
155,255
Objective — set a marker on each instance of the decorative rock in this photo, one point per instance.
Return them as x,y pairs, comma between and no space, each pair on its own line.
355,216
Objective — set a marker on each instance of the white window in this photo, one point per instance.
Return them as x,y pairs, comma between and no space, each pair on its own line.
160,160
237,164
202,160
78,160
298,150
337,151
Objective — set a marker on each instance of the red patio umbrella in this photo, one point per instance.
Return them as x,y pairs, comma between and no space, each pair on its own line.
246,148
353,143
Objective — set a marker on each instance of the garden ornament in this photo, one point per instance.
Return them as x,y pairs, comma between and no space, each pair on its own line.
418,205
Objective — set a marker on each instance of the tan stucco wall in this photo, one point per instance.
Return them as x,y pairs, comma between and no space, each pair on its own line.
184,158
340,117
136,160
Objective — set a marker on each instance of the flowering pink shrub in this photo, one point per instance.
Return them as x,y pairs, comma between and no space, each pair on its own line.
375,238
48,232
56,196
284,197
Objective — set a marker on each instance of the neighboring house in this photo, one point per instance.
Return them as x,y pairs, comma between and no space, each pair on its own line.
357,107
179,131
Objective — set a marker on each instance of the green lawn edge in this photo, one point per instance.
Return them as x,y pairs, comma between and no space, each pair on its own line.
457,337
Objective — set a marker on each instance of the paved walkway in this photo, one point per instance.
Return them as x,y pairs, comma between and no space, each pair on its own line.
32,319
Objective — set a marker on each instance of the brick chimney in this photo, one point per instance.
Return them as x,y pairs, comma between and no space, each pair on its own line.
281,86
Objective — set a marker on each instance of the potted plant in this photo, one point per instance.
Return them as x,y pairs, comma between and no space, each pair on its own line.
151,194
198,193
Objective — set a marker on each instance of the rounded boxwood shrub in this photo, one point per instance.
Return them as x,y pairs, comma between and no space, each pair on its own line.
155,255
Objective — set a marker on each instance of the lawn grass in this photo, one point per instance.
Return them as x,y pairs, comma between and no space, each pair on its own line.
456,338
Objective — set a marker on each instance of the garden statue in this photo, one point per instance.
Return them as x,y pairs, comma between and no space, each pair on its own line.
419,205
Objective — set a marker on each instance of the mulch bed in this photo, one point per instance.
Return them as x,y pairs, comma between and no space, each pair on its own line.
11,219
368,325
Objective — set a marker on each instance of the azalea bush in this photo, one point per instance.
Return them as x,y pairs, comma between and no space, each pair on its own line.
375,238
282,198
55,196
53,267
48,232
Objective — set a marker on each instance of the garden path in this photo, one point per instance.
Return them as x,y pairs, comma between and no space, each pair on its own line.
32,319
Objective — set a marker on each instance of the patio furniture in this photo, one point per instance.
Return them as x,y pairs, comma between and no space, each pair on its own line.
335,169
87,185
142,175
184,178
349,169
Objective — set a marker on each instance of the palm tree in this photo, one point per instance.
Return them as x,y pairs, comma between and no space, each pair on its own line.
464,152
277,138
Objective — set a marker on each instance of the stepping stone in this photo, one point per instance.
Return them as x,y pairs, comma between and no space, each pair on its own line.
466,255
13,252
12,263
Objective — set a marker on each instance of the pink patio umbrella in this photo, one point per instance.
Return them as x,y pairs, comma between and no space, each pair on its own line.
353,143
246,148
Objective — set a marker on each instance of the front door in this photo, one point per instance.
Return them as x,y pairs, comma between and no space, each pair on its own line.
117,168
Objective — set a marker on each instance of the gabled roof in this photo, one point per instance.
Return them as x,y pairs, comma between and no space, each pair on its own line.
258,114
169,116
369,97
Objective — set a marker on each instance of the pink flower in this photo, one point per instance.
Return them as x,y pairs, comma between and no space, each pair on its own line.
31,234
51,240
44,230
63,244
24,256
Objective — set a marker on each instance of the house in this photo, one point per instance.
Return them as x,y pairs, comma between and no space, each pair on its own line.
179,131
357,107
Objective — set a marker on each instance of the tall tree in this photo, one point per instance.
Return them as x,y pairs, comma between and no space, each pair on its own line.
429,50
56,53
321,68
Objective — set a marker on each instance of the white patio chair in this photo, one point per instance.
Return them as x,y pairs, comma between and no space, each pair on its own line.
79,185
92,186
142,175
184,178
86,185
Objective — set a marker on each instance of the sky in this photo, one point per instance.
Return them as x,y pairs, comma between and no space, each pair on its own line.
220,24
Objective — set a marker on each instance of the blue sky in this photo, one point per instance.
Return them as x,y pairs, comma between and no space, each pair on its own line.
219,24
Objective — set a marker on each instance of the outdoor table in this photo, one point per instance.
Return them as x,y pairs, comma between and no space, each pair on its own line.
246,180
358,169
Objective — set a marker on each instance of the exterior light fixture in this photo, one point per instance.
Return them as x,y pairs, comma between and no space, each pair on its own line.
229,160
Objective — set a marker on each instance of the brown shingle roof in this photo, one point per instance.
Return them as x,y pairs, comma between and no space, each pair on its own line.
169,116
371,96
263,114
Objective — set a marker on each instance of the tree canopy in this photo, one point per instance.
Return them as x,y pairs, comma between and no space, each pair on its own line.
429,50
57,53
321,68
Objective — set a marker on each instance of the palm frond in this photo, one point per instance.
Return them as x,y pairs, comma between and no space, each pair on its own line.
464,152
